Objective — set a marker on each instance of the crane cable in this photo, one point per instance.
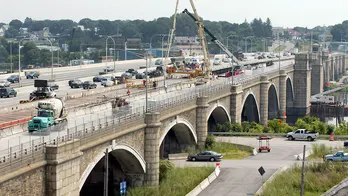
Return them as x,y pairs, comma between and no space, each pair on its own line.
170,40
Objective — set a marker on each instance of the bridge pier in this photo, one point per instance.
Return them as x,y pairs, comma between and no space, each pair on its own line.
63,168
302,87
151,148
264,100
317,72
236,103
201,120
282,95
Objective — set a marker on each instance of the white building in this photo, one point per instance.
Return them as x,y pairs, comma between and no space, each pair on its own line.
3,29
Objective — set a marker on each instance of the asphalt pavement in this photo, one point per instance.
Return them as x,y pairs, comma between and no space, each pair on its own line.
241,177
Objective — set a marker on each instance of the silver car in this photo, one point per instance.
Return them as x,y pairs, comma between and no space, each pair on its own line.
5,83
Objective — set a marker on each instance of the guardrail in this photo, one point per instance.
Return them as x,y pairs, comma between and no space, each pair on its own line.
26,153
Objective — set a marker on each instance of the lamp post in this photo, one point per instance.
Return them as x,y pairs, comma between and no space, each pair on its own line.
151,46
246,44
106,50
51,59
227,39
11,55
344,45
19,60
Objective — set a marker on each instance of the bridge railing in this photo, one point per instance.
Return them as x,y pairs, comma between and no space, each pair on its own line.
27,153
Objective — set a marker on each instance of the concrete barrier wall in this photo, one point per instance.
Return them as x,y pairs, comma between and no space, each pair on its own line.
280,170
205,183
337,189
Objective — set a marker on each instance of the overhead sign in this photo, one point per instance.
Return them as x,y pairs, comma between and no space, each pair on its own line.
40,83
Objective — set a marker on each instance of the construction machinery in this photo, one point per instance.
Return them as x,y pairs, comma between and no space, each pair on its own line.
49,113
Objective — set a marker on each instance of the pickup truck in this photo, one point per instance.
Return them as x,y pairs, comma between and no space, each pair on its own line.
302,134
338,156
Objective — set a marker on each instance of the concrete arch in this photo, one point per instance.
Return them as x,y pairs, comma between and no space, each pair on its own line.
217,105
177,122
256,103
111,149
273,102
289,90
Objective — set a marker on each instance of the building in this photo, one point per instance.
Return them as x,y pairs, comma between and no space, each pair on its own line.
278,31
187,46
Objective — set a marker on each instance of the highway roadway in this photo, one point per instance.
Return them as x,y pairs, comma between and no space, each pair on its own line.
26,138
241,177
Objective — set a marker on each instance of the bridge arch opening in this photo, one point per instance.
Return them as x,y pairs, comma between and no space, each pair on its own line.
216,116
289,95
178,136
273,105
250,112
124,164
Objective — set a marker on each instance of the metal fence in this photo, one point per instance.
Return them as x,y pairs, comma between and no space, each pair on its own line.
26,153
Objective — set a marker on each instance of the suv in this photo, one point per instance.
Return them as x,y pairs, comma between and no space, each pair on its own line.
75,83
97,78
33,74
7,92
13,78
89,85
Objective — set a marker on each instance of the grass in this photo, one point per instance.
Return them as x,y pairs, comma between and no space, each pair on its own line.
279,48
319,150
232,151
319,177
178,182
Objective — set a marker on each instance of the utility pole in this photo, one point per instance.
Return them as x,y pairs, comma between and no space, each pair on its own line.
106,173
302,175
11,55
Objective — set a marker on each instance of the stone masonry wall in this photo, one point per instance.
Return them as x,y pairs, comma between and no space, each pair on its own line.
29,184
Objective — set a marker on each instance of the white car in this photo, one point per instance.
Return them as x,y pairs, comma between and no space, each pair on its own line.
4,83
107,83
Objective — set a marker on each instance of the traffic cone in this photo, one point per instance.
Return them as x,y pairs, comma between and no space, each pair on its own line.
218,165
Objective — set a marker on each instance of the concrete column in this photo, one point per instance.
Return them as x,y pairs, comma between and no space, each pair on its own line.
302,87
317,74
264,100
201,121
236,103
333,69
344,63
151,151
282,95
326,63
63,169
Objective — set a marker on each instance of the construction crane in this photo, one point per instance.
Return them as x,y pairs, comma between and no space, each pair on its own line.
213,38
208,69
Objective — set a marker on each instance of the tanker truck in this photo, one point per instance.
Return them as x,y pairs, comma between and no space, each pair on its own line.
49,113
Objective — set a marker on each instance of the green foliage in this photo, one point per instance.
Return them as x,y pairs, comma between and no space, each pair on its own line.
178,182
210,142
229,127
319,178
252,127
232,151
165,166
319,150
277,126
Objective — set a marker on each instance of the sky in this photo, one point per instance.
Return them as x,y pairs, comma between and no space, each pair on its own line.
283,13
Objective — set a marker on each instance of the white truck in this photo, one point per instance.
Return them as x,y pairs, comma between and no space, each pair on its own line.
49,113
302,134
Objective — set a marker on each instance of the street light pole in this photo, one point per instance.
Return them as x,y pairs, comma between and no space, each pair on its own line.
125,50
19,61
106,44
151,47
51,58
11,55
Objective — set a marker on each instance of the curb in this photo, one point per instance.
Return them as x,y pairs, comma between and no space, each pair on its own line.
300,156
334,190
280,170
205,183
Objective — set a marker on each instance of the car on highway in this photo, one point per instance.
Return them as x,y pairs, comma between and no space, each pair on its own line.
4,83
105,79
127,75
75,83
132,71
108,83
89,85
53,86
140,76
205,156
302,134
32,75
98,78
158,62
108,69
13,78
7,92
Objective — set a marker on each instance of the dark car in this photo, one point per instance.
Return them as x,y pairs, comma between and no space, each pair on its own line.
7,92
53,86
75,83
33,74
132,71
89,85
13,78
98,78
140,76
205,156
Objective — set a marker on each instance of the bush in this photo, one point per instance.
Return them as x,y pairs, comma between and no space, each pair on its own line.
319,150
165,166
278,126
229,127
210,142
330,129
252,127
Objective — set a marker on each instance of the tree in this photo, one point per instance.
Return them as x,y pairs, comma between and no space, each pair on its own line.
45,58
16,24
31,53
3,54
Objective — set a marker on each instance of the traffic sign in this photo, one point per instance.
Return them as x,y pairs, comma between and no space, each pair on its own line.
261,171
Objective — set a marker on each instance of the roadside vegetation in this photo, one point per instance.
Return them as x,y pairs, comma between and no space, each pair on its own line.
319,177
277,126
174,181
279,48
